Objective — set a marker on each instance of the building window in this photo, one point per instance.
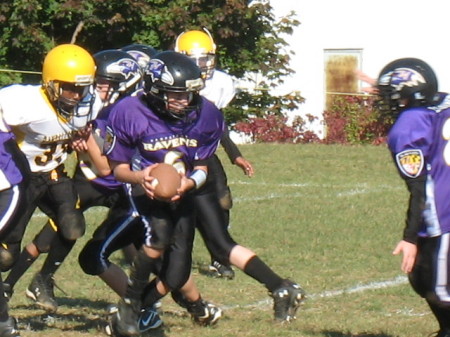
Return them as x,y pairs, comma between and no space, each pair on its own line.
339,75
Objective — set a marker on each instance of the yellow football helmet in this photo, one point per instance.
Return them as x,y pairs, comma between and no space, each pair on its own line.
200,46
67,64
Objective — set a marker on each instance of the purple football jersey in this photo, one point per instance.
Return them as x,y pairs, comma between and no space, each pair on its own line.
135,128
419,142
9,173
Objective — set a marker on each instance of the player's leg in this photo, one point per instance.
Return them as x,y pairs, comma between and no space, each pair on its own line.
12,227
218,178
287,295
429,278
175,275
63,199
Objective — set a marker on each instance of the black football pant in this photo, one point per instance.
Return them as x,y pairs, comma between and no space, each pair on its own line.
431,275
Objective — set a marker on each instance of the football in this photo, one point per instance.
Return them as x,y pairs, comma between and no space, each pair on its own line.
167,181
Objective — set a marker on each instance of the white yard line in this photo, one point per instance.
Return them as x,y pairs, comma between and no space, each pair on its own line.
399,280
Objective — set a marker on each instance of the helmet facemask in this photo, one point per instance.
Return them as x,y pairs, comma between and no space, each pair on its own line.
173,76
175,110
206,63
66,106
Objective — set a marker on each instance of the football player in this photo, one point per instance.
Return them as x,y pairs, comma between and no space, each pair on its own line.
418,141
219,89
117,74
214,197
168,123
45,123
13,183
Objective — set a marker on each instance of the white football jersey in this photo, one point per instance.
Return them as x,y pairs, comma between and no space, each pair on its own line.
41,134
219,89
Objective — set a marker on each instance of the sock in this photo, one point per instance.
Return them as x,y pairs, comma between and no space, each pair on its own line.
59,250
151,295
20,267
261,272
139,275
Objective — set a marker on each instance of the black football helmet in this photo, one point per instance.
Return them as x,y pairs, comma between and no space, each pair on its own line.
118,69
141,53
170,71
407,82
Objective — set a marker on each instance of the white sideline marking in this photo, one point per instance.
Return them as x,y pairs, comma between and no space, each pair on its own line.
399,280
352,190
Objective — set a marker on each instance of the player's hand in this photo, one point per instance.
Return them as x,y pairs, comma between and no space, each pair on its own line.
146,181
186,185
409,251
245,165
79,140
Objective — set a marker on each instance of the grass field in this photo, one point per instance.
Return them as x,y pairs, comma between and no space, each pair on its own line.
325,216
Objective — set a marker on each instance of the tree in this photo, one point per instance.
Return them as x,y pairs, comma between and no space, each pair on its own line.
249,37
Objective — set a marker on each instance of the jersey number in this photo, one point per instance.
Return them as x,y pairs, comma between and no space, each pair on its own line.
48,155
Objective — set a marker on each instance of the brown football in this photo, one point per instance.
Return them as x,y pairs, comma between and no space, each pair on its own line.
167,181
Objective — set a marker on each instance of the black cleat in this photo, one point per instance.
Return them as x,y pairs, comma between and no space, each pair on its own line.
9,328
203,312
286,301
127,318
41,292
219,270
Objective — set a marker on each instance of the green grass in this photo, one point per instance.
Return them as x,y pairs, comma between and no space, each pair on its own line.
325,216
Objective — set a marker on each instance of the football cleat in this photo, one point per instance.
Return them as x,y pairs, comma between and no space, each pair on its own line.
41,292
125,320
111,329
149,319
286,301
9,328
203,312
219,270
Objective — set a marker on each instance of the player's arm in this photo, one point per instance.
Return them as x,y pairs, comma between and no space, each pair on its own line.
229,146
99,160
234,154
416,188
123,172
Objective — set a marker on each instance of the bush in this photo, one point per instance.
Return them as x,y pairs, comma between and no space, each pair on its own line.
274,128
353,119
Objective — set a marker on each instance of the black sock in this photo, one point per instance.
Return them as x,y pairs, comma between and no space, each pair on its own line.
59,250
140,271
261,272
20,267
151,295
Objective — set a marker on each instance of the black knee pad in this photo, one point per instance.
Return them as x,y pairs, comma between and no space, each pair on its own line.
226,201
90,259
8,255
71,225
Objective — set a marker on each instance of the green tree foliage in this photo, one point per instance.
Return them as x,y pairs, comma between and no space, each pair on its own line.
249,37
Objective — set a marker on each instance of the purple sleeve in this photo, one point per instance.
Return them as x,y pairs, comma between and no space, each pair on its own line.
122,131
410,139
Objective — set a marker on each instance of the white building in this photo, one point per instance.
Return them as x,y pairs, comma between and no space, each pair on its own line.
376,31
